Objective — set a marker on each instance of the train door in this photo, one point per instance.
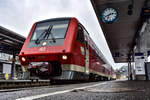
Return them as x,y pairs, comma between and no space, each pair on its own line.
86,52
80,46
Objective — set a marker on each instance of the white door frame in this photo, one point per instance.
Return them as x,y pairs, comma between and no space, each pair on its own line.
86,56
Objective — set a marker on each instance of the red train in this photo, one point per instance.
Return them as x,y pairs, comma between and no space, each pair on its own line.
61,49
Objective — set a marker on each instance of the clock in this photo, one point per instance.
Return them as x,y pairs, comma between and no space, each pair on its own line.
109,15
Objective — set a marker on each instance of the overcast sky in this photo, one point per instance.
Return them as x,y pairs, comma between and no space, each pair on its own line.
19,16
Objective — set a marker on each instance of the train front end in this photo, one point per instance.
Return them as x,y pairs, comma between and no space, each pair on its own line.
48,47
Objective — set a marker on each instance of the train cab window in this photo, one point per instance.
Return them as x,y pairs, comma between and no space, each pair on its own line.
50,32
80,35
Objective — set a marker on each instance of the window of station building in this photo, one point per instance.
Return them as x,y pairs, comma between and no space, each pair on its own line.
0,55
80,35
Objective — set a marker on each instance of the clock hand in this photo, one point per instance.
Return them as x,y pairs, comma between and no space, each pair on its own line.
109,14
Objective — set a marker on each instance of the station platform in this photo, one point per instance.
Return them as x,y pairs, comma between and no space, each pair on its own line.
119,90
115,90
102,90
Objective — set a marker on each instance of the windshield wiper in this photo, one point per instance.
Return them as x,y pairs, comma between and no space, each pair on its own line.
37,41
46,34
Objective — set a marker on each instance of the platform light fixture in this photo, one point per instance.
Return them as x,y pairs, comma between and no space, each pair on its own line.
130,8
64,57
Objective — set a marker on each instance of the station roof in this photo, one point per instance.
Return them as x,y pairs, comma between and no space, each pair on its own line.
10,41
120,35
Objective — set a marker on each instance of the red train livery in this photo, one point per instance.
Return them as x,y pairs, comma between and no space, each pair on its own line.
61,49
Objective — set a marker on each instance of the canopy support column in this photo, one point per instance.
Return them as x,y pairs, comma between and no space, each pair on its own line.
13,70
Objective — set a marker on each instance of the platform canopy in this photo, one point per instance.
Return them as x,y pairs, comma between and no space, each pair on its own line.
121,34
10,42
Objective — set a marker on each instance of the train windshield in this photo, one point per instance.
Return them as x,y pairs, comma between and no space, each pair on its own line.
49,32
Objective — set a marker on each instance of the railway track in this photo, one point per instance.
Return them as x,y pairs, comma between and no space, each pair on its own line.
12,84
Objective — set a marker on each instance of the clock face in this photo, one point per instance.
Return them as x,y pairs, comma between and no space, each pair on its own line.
109,15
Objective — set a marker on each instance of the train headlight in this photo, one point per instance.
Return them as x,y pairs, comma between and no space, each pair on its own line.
87,72
23,59
64,57
44,43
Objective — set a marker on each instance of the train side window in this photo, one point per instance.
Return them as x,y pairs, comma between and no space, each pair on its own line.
86,44
80,36
86,36
103,69
86,33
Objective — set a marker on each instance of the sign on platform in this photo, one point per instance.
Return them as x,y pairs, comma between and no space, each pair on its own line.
140,65
7,68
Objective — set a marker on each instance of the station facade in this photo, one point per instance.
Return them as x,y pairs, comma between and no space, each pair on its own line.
10,46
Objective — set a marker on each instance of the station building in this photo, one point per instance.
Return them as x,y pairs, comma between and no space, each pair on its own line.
10,46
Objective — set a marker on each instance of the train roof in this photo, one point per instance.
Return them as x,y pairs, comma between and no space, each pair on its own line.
55,19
